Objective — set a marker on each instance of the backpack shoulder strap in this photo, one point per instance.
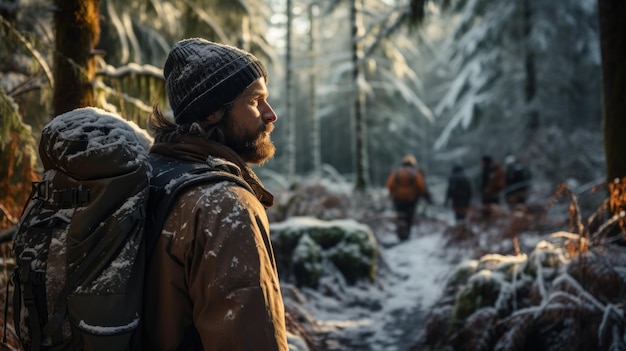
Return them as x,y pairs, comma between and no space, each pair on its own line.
169,178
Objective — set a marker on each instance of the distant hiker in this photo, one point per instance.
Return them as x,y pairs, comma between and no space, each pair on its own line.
406,186
492,180
517,182
459,193
211,281
491,185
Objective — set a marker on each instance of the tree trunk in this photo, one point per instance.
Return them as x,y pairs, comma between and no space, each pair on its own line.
613,49
359,102
77,33
291,121
530,85
316,150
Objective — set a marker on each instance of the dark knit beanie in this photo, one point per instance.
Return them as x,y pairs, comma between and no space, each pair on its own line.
202,76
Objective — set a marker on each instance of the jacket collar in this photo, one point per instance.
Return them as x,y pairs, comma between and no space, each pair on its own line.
196,149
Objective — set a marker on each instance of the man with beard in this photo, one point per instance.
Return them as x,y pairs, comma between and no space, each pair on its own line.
211,278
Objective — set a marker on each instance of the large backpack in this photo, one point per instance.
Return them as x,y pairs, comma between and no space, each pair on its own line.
408,184
79,243
83,240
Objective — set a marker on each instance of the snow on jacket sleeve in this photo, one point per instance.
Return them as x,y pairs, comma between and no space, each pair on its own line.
220,260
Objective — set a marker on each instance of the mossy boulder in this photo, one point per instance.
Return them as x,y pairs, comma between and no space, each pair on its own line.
304,244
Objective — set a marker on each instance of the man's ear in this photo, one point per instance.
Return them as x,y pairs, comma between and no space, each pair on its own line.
216,116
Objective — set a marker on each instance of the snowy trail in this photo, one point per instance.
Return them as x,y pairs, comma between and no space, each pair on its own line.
395,313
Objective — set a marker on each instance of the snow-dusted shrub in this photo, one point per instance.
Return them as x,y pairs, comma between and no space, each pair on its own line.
307,262
304,244
436,335
506,264
459,276
482,290
479,328
545,260
327,236
602,272
552,299
354,260
314,197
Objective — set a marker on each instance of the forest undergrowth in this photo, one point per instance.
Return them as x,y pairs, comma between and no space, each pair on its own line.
587,282
565,290
545,275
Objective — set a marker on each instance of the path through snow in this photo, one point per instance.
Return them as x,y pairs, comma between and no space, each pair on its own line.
391,316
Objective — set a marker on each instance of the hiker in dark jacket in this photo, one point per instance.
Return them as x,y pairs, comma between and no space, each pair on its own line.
459,193
406,186
212,282
517,182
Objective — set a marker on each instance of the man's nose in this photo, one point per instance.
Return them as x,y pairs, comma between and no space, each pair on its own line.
269,116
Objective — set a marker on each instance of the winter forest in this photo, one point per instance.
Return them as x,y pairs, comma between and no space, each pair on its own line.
357,85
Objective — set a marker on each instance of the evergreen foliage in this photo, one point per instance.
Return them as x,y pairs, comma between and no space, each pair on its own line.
17,160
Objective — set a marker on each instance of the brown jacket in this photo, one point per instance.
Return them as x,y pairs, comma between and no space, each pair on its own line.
493,183
213,266
406,184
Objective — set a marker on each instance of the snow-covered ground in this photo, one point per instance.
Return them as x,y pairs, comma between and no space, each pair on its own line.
390,314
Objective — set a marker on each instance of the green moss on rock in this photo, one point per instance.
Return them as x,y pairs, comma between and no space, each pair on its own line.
349,245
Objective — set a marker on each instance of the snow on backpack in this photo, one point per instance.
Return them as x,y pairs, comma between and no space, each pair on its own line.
79,246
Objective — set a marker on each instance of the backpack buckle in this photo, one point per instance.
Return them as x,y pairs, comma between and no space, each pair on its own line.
71,197
26,274
39,190
27,256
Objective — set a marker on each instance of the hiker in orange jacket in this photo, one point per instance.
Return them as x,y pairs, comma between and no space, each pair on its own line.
406,186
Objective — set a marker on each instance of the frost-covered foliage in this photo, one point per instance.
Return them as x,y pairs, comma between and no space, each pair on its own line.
17,160
26,58
322,53
555,298
135,38
328,196
490,44
131,90
130,81
307,248
526,73
143,32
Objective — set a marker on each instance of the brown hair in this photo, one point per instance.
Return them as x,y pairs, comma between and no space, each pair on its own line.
164,129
